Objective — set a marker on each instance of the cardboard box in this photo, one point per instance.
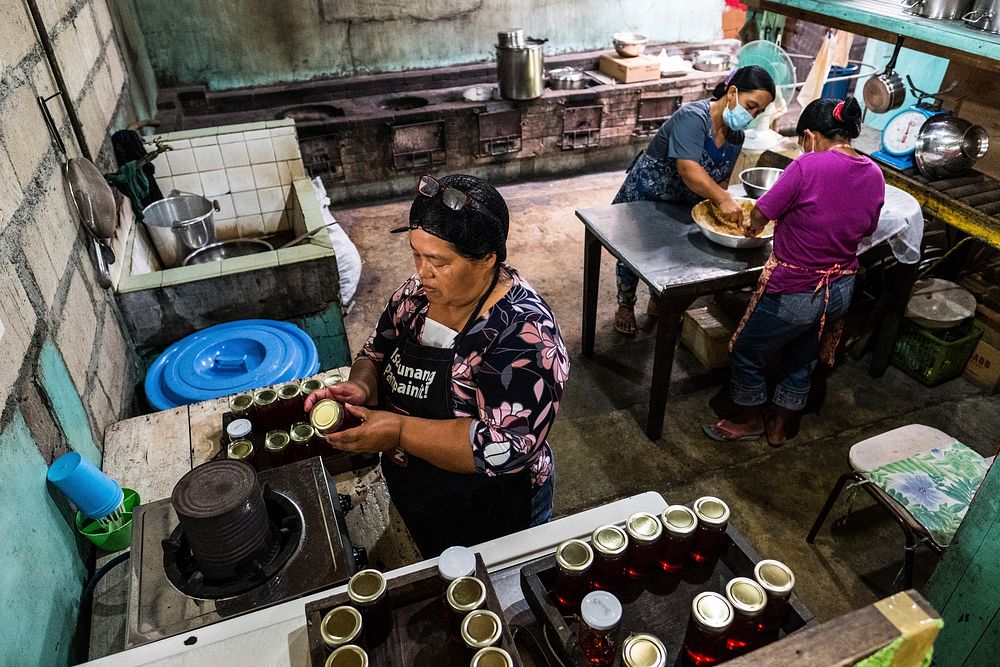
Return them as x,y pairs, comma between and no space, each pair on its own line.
706,332
991,323
630,70
983,369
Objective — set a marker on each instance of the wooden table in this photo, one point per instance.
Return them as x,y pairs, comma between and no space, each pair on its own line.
661,244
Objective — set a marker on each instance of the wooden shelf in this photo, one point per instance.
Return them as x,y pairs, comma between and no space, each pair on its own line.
883,20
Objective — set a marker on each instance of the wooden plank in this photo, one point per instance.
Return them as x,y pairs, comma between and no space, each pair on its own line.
206,429
988,197
149,453
975,100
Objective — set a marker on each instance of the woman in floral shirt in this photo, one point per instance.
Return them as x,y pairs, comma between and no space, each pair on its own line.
467,366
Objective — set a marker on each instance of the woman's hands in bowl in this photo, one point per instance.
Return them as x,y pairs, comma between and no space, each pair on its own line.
379,431
348,393
730,211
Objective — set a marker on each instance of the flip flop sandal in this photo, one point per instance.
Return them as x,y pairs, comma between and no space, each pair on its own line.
625,332
710,431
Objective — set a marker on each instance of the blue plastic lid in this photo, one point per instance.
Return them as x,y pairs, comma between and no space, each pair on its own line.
230,358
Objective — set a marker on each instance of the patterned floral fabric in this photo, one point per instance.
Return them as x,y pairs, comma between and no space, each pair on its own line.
935,486
508,375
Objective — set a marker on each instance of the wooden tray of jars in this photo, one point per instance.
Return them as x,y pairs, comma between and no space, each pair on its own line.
334,461
420,634
659,605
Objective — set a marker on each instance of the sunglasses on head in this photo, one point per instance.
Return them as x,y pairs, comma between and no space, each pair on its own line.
453,198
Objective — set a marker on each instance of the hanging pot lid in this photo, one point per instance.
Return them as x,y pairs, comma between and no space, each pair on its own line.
227,359
93,197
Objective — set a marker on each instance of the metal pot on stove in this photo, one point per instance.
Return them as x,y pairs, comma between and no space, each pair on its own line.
985,16
520,66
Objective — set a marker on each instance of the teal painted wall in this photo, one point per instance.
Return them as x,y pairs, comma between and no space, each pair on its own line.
926,71
41,569
259,42
65,402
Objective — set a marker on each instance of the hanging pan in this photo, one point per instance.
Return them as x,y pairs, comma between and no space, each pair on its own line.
886,91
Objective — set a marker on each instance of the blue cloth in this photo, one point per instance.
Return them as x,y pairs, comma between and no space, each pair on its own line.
786,324
541,502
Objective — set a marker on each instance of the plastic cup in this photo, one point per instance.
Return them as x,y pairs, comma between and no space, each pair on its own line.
95,494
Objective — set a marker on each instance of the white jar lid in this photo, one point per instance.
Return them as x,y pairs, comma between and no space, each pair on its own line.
601,610
455,562
238,428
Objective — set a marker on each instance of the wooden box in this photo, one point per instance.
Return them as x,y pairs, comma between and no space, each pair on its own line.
706,332
991,323
630,70
983,369
420,633
659,605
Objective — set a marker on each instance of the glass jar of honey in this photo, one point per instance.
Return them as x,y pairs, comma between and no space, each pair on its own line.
574,558
492,656
276,444
643,650
480,629
710,536
301,436
644,533
748,600
291,404
340,626
266,409
600,613
327,416
367,593
348,656
609,544
464,595
705,638
241,405
679,524
311,385
455,562
239,429
777,580
242,450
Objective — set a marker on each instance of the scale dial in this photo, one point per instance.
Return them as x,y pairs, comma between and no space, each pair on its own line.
899,137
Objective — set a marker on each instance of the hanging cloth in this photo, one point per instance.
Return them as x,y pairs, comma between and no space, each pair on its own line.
813,86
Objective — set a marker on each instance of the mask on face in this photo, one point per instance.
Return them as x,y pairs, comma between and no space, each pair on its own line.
738,118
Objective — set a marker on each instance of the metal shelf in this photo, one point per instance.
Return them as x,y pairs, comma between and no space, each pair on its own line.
883,20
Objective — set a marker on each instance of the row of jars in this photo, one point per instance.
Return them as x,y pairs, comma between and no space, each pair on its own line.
679,537
270,409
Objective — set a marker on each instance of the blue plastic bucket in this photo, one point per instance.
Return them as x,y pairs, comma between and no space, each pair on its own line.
95,494
838,89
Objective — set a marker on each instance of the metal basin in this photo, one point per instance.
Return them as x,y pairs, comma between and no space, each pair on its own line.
758,180
404,103
703,218
217,252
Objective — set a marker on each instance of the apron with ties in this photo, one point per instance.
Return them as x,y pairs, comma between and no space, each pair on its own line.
829,338
442,508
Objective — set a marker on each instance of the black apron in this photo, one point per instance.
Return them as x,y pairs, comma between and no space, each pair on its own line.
442,508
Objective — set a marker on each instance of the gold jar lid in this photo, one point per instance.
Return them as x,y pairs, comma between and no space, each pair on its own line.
289,391
276,441
492,656
609,540
774,576
679,520
481,628
240,450
644,651
326,415
711,612
332,379
746,596
340,626
348,656
240,402
574,556
366,587
311,385
265,396
643,527
711,511
301,432
465,594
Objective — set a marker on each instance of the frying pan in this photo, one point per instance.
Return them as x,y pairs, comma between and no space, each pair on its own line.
95,204
885,92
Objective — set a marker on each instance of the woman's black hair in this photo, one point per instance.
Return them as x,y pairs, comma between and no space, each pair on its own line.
831,118
751,77
472,234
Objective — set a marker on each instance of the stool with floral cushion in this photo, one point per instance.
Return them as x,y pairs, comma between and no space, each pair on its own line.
922,476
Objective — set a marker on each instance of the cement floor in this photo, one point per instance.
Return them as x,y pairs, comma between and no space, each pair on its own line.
602,453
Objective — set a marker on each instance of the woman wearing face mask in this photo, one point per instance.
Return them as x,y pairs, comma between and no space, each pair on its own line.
691,158
824,204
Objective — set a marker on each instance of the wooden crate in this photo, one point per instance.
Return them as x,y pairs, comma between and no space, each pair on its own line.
419,623
706,332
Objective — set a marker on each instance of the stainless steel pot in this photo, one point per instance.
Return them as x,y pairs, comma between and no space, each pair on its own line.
936,9
985,16
949,146
513,38
566,78
520,70
712,61
179,225
886,91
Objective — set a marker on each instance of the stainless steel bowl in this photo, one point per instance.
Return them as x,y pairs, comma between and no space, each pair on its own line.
712,61
949,146
758,180
629,44
701,216
217,252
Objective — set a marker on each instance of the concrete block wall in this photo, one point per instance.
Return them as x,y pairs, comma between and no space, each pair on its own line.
67,370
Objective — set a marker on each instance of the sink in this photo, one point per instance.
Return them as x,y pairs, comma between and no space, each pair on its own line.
403,103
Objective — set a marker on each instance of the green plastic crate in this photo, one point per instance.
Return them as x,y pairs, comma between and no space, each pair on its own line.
934,356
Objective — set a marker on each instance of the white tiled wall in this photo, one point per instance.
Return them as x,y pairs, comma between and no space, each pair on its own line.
248,172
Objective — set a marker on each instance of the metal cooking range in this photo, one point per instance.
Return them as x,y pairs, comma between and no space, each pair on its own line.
230,541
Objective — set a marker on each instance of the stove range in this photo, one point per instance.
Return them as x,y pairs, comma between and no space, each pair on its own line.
180,580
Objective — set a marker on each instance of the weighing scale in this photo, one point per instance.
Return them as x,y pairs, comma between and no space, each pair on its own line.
900,134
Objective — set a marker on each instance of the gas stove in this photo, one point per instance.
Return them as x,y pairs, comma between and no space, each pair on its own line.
300,548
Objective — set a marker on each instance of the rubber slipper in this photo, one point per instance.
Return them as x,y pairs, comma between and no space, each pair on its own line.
770,442
709,430
623,331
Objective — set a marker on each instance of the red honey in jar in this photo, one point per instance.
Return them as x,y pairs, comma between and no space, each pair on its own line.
644,533
367,592
748,600
492,656
600,613
241,406
777,580
291,403
266,410
705,638
277,444
710,536
463,596
609,544
302,436
679,524
574,559
327,416
643,650
480,629
340,626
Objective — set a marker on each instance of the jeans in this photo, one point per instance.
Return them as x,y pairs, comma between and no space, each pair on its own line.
789,324
541,502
